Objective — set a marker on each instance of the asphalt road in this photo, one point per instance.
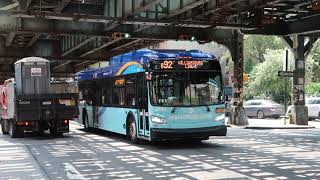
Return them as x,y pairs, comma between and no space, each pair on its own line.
243,154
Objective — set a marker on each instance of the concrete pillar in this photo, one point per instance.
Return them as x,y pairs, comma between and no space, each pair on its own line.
237,113
299,110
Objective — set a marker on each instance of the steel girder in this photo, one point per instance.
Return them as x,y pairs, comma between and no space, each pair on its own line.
83,31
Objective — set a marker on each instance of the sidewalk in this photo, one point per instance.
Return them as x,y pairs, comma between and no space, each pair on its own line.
278,124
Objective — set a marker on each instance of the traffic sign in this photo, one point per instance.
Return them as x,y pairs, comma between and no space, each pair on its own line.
285,73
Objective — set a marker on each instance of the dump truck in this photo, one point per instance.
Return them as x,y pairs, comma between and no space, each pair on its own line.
31,102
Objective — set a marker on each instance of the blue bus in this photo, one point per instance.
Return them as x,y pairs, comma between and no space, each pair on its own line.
155,95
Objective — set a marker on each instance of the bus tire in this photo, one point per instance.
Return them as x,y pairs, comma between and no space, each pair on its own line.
15,131
85,121
132,130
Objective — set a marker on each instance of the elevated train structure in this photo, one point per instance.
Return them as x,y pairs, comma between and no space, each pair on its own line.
75,33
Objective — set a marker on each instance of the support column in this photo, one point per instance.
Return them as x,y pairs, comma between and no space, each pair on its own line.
237,113
299,110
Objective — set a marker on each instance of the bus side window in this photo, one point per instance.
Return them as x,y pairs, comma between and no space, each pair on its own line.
116,96
107,92
130,91
130,96
141,91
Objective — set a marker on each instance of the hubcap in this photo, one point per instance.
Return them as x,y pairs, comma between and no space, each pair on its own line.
132,130
260,114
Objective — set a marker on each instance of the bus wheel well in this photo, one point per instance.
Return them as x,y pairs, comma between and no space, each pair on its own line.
129,117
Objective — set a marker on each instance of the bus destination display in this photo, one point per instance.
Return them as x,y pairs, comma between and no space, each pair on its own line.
181,64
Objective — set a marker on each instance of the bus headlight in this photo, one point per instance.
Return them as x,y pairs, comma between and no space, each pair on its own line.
158,120
220,118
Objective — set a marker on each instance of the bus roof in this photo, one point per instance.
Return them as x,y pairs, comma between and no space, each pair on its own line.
132,62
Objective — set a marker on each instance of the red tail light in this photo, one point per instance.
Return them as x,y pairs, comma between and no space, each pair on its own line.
66,121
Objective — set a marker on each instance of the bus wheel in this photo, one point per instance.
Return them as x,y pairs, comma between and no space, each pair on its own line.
132,131
86,122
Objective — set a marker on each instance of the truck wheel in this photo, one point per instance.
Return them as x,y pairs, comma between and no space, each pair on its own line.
15,131
132,133
54,133
4,127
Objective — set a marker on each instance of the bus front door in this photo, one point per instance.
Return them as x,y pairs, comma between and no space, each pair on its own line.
143,114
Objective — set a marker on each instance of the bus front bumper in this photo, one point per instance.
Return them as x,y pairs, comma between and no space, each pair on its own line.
202,133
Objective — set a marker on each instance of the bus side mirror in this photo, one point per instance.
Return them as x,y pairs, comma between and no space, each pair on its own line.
148,76
227,98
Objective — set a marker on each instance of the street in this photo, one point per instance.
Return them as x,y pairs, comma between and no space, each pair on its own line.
243,154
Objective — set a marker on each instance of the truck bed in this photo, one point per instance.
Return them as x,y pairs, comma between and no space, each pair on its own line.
46,106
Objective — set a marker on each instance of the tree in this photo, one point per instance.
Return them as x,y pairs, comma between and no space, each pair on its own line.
255,46
313,63
313,89
264,80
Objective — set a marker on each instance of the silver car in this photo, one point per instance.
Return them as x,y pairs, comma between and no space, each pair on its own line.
262,108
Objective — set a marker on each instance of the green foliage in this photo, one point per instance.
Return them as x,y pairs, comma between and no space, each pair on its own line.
248,66
313,63
313,89
255,46
264,80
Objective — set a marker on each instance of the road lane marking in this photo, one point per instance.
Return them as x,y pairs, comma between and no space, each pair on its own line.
72,172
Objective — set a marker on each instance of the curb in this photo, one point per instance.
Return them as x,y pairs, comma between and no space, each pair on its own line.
280,127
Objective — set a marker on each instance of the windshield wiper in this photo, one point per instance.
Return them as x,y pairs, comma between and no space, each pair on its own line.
202,101
208,108
174,109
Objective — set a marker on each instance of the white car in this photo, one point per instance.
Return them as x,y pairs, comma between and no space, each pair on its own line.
313,104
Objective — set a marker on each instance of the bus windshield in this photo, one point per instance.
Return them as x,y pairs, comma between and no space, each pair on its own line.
186,88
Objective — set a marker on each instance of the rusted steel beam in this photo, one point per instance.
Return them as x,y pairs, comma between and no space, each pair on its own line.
9,7
144,8
61,65
5,58
100,19
33,40
125,45
185,8
24,4
175,13
62,5
78,46
100,47
10,39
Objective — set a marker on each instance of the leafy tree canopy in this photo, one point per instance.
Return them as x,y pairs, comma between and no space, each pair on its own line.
264,80
255,46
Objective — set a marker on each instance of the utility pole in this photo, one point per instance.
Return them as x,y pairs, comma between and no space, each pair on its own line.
285,86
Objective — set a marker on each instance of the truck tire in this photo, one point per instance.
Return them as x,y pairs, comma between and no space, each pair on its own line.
15,131
54,132
4,127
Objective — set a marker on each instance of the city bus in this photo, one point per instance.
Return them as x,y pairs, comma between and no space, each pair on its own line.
155,95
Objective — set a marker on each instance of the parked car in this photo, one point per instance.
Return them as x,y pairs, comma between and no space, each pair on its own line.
313,104
262,108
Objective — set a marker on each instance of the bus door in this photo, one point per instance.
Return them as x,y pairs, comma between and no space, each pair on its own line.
96,105
142,105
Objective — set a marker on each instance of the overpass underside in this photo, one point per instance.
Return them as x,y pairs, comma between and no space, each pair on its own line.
75,33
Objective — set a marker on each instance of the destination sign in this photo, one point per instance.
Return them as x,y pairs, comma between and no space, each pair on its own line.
181,64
